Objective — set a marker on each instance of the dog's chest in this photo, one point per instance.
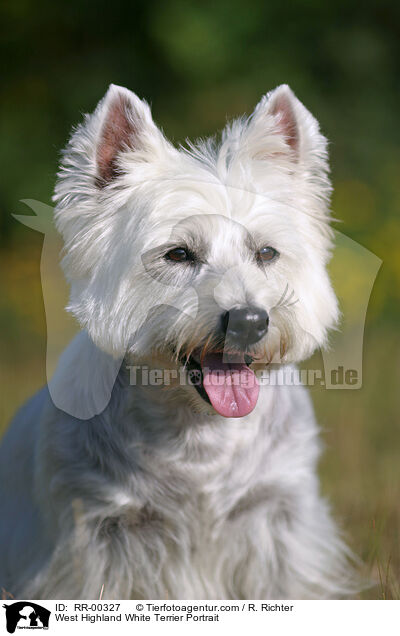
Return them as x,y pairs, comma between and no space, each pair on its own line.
199,514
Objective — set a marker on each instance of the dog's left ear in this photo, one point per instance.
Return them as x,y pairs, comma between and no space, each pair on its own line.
281,127
279,105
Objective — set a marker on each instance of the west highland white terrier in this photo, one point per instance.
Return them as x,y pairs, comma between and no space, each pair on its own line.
199,270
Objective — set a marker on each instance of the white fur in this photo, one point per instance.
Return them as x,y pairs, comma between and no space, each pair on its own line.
157,496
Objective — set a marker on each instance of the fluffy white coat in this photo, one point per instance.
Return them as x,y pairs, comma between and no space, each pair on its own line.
156,495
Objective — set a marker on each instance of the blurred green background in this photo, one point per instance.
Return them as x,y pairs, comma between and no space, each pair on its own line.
199,63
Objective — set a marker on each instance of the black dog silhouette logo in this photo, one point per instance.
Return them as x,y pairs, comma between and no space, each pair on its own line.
26,615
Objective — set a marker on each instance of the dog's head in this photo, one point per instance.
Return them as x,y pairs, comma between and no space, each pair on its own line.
213,256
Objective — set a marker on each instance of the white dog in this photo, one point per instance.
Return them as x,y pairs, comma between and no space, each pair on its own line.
196,268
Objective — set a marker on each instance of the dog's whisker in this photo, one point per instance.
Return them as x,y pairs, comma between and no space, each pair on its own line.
281,299
292,303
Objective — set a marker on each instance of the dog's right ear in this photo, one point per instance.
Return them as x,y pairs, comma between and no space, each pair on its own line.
125,125
117,144
118,136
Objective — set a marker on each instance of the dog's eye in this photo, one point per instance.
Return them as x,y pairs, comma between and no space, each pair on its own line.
179,255
267,254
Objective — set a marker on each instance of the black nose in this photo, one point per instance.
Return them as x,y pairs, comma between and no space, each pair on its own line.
245,326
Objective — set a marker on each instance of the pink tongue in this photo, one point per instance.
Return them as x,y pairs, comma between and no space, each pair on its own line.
232,387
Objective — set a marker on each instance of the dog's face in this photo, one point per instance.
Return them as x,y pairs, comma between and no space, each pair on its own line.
212,257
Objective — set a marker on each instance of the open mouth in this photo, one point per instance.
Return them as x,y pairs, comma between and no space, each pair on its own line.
230,386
